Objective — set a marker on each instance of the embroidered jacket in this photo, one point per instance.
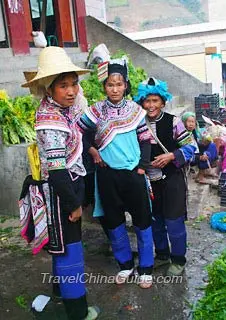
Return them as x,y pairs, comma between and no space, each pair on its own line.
60,148
173,135
121,134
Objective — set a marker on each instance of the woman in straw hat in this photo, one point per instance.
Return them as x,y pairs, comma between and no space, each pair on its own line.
122,140
60,149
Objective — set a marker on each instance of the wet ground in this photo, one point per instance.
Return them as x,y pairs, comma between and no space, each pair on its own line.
169,299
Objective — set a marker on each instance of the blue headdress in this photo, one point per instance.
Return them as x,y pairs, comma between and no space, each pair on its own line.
153,86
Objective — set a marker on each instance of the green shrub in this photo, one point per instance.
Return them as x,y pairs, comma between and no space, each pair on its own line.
213,304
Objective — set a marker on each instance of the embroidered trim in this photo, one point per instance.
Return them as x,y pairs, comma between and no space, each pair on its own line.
111,120
50,115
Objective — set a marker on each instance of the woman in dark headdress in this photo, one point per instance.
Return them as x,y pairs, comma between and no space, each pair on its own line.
121,137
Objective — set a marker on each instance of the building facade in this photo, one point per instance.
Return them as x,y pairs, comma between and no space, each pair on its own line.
64,22
199,49
63,25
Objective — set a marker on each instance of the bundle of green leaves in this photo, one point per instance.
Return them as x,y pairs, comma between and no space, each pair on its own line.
93,88
213,304
17,118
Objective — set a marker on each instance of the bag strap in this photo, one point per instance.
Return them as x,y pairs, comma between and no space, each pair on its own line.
154,135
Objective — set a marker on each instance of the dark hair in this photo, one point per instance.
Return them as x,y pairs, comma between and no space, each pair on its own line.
151,82
61,77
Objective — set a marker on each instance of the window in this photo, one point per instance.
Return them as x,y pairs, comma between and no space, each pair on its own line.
36,8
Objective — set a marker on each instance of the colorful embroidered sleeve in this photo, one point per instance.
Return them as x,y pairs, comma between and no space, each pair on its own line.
86,125
88,129
54,145
143,134
186,143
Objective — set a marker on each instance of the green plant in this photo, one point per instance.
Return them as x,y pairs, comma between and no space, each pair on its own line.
200,218
93,88
6,230
213,304
21,301
17,118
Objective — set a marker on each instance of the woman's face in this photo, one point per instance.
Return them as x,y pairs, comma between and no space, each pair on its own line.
190,123
153,105
115,87
65,90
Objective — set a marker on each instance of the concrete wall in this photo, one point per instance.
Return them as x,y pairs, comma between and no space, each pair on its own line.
13,170
194,64
180,83
2,27
12,67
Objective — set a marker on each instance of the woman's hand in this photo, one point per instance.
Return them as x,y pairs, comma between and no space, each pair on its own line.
96,157
140,171
75,215
162,160
204,157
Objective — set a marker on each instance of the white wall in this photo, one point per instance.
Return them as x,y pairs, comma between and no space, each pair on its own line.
2,28
217,10
96,9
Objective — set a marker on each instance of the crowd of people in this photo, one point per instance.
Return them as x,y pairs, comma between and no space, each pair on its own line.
118,155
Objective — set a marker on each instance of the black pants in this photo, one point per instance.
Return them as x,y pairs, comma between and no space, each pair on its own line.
170,196
120,191
72,230
169,210
89,189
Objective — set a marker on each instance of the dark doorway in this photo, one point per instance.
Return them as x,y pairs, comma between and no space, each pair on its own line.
3,34
50,30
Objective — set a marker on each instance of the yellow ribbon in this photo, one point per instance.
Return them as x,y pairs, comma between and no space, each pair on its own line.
34,161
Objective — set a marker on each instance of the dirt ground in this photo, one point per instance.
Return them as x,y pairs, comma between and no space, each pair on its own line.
22,274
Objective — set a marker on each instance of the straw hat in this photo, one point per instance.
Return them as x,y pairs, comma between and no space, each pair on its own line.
51,62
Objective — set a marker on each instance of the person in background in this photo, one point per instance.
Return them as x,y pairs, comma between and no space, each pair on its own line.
171,149
208,155
122,154
60,150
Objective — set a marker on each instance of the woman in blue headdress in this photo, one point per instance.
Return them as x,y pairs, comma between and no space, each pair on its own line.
171,148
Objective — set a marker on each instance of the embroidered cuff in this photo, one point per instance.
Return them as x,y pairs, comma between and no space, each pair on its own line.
56,164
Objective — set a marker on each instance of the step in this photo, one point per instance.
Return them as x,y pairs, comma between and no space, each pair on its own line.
178,111
202,199
29,62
